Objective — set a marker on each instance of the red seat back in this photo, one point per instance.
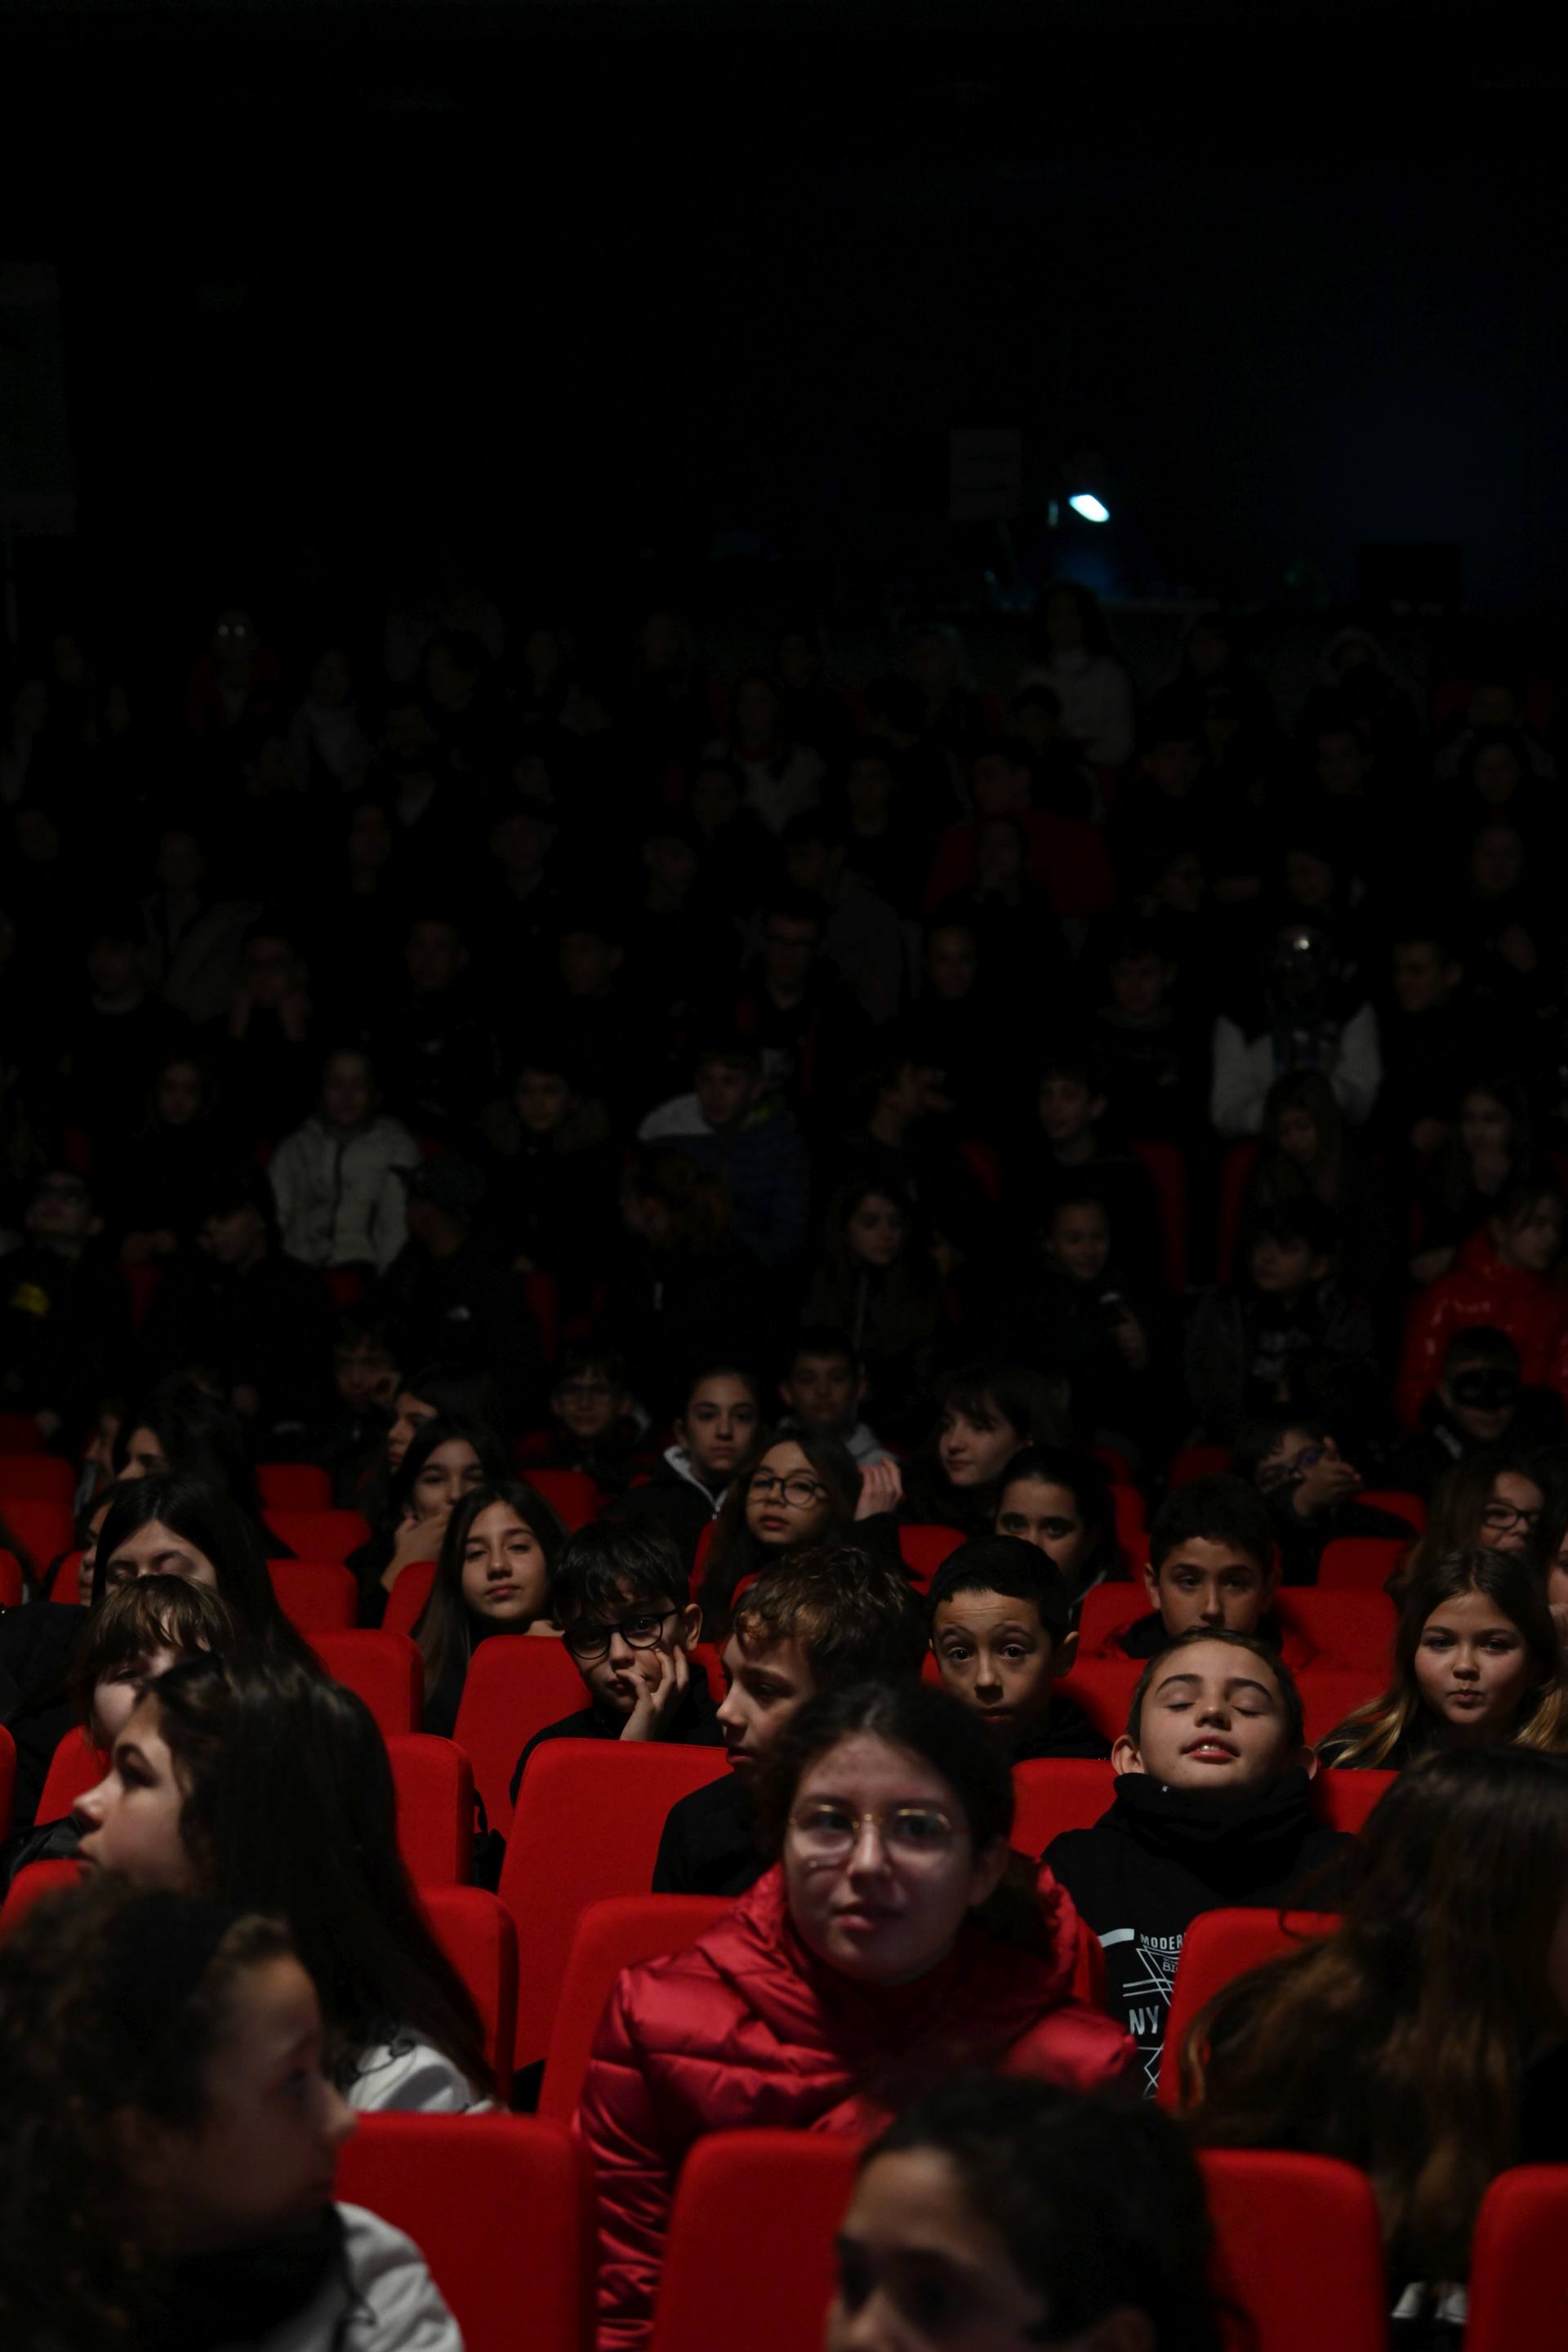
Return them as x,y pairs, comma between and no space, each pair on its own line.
490,2200
571,1494
1218,1946
1195,1461
1235,1170
1353,1628
315,1596
590,1815
12,1590
1515,2260
1298,2253
435,1784
140,1288
1108,1610
20,1433
1331,1693
1168,1169
43,1528
320,1535
512,1689
1400,1502
1343,1800
8,1776
1132,1524
545,1304
39,1878
923,1548
1103,1688
75,1766
1359,1563
611,1936
65,1583
36,1478
409,1596
385,1669
477,1935
293,1487
1053,1793
726,2281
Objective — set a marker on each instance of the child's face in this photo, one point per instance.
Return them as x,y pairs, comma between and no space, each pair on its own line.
824,1392
543,1099
720,1426
588,963
1297,1134
875,1230
1472,1668
504,1569
1557,1577
347,1093
1480,1400
1138,985
116,1693
260,2163
365,1375
180,1095
618,1651
1212,1585
1512,1513
1421,982
976,1448
726,1092
452,1471
995,1656
588,1401
131,1821
1040,1513
786,1503
1214,1718
409,1414
1080,1241
1067,1110
1484,1125
1532,1242
1283,1269
767,1683
951,964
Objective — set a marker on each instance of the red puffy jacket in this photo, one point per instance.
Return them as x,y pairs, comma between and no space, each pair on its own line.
747,2027
1529,1308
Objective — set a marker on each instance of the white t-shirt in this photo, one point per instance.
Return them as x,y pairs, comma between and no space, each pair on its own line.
388,2303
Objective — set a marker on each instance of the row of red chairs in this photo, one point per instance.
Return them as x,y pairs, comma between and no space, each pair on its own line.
1298,2256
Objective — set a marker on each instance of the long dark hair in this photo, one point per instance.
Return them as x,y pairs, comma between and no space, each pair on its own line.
1398,2042
84,2035
445,1626
942,1733
736,1553
196,1432
1034,2159
1014,1394
1458,1500
291,1809
205,1516
425,1441
1398,1723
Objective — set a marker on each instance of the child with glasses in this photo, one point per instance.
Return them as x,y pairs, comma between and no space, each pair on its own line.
802,1490
623,1604
594,1426
896,1937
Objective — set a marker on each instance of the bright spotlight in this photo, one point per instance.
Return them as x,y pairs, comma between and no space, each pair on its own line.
1090,507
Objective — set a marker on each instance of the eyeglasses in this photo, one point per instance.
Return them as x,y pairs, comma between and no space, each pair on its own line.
590,1642
1503,1519
797,1489
1271,1476
911,1834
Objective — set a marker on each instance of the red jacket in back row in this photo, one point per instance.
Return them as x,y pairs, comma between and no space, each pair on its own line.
746,2027
1531,1307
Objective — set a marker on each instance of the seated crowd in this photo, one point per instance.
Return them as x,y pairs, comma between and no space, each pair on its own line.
996,1272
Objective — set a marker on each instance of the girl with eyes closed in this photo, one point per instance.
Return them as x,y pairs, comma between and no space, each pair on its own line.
895,1936
1476,1660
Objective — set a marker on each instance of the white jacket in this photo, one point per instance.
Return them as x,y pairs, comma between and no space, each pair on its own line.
409,2077
340,1203
388,2303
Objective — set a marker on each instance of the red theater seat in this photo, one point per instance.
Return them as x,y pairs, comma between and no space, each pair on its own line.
36,1478
293,1487
409,1596
477,1935
611,1936
75,1766
500,2206
8,1778
726,2282
42,1527
1516,2263
923,1548
590,1815
435,1785
38,1879
1359,1563
12,1590
320,1535
512,1689
315,1596
571,1494
1217,1947
385,1669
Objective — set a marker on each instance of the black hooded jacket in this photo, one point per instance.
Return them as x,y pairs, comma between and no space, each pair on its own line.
1142,1874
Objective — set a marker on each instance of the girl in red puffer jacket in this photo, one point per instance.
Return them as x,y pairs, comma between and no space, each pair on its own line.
897,1939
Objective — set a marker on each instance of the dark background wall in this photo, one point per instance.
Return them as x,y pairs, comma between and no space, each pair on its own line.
594,281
